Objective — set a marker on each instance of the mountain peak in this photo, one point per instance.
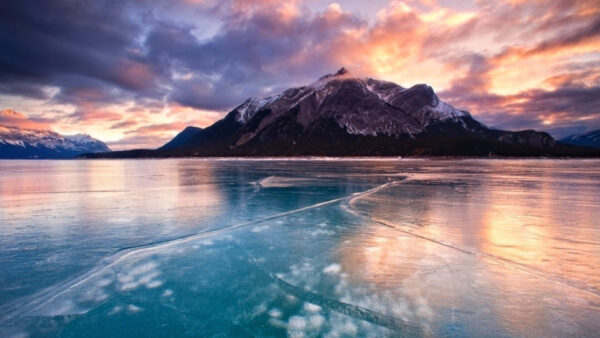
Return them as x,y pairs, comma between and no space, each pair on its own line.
341,72
588,139
346,115
406,110
18,142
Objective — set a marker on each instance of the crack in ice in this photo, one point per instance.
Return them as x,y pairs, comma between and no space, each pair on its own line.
348,206
18,309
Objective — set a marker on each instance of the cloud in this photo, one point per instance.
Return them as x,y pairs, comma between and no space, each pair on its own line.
90,115
159,128
62,42
138,142
119,66
124,124
569,104
12,118
249,54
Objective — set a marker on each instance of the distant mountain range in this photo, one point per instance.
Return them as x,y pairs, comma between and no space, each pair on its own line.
344,115
590,139
17,143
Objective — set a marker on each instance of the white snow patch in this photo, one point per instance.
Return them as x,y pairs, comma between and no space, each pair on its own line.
115,310
278,323
280,182
310,307
275,313
144,274
252,105
133,308
259,309
316,322
154,284
320,232
332,269
296,326
260,228
291,299
447,112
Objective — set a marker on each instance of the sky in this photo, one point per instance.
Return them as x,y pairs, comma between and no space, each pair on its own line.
133,73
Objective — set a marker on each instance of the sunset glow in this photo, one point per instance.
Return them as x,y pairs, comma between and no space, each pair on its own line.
134,74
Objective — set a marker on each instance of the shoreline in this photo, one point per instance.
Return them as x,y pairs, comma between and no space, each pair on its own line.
313,158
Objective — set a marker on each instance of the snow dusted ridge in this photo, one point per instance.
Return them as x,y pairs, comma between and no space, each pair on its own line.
589,139
33,143
247,109
345,115
390,109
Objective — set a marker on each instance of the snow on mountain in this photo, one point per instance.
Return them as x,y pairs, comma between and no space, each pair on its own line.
33,143
247,109
589,139
418,102
345,115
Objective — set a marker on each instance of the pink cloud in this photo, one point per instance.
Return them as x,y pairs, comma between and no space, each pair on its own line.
12,118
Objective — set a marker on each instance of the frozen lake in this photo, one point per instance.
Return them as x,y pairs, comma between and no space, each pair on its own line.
300,248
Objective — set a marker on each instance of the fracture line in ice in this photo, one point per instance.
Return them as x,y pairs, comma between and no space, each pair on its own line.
348,206
27,305
353,311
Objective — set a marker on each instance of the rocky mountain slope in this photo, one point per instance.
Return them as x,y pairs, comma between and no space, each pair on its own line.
17,143
344,115
589,139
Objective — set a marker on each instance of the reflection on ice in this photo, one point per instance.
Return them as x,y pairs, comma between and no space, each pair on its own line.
396,248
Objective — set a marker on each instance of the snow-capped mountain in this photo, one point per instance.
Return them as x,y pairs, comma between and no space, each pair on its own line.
362,106
589,139
33,143
345,115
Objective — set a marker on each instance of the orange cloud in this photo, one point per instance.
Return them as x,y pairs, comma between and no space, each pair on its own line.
12,118
143,127
161,128
495,58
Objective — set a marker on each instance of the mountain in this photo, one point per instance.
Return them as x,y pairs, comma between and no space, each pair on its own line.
344,115
17,143
590,139
183,138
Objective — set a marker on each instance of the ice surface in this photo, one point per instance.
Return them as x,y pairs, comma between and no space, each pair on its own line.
300,248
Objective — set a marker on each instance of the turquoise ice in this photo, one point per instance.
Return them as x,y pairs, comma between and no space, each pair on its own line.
300,248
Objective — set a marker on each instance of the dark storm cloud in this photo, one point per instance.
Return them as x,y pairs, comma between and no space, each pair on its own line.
111,60
64,43
108,50
247,56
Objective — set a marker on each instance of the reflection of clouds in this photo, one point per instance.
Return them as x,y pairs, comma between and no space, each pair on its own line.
68,214
398,273
375,267
117,193
515,244
525,225
535,222
506,236
260,228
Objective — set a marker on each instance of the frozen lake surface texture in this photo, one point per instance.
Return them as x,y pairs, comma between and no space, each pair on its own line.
303,248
